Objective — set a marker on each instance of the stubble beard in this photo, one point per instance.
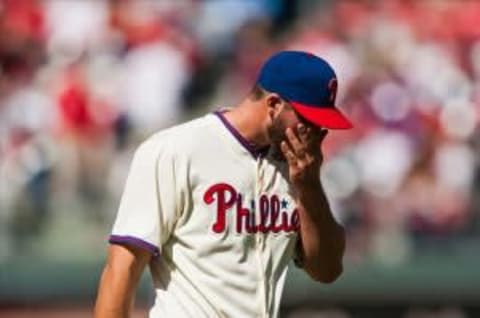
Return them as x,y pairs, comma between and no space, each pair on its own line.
276,133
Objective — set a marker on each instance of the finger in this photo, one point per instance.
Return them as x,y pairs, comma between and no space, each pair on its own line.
288,153
303,133
315,137
311,138
296,145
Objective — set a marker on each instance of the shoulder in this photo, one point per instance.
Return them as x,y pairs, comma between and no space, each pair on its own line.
181,139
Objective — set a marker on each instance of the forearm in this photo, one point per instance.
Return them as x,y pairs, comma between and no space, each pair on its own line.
119,281
114,299
322,238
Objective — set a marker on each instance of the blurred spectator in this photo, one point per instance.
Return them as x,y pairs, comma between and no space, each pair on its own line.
219,21
86,126
86,28
26,116
158,63
252,46
27,160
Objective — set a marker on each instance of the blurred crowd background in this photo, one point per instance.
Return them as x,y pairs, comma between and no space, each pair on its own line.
83,82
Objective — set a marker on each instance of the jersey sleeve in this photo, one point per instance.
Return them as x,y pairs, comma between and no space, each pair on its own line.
149,206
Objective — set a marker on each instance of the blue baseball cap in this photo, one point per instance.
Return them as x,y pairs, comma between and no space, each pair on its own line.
308,83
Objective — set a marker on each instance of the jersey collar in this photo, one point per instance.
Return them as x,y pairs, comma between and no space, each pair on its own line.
255,151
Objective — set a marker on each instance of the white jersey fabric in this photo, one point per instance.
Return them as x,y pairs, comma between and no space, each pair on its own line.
219,217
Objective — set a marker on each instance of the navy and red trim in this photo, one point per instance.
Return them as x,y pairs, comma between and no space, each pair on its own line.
134,241
250,147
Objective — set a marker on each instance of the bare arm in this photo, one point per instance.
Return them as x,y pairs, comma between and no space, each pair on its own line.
119,281
322,238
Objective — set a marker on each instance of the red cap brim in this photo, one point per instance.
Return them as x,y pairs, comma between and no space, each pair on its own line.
326,117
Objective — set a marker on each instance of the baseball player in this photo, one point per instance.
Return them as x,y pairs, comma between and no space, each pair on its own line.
219,206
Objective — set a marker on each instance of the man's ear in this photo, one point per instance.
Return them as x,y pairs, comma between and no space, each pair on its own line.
275,105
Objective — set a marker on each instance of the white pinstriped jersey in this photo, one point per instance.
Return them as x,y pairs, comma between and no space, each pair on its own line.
219,217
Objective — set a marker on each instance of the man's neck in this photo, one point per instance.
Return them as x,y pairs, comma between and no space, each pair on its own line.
247,119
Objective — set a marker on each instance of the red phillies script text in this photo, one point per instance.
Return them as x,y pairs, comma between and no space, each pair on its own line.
271,219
